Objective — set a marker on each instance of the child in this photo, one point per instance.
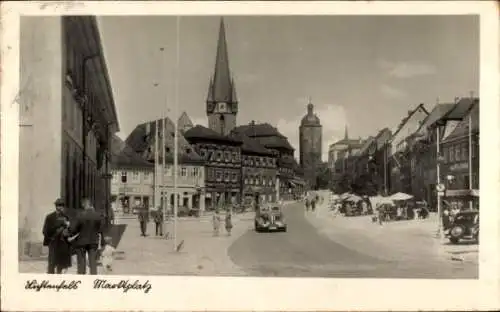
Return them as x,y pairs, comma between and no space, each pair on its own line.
107,255
216,223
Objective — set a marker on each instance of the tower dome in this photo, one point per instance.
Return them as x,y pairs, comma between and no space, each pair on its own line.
310,119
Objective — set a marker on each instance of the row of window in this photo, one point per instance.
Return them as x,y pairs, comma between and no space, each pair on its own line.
459,152
259,161
263,181
220,175
220,156
134,176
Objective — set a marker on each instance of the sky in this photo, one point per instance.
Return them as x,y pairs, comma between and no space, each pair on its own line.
365,72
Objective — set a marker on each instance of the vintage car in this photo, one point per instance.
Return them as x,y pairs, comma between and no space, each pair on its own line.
465,226
270,219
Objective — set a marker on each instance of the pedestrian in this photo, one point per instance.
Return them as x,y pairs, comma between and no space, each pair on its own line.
107,254
216,222
313,204
111,216
307,203
143,220
158,222
89,227
380,214
55,234
229,222
446,219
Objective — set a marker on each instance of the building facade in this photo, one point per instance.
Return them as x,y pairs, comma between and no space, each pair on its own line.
67,117
154,141
399,158
222,158
310,145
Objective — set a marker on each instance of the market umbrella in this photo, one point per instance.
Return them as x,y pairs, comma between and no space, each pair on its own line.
400,196
354,198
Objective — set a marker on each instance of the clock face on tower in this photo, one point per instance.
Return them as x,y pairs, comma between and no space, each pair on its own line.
221,107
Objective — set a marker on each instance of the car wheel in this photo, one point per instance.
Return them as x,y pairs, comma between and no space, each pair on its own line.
456,233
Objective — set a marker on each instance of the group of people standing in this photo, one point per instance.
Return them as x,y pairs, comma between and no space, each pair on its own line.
311,201
69,231
216,222
144,216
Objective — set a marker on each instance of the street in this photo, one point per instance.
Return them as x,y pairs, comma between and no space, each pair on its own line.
304,252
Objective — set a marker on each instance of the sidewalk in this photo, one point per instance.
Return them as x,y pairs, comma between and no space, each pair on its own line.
201,253
396,240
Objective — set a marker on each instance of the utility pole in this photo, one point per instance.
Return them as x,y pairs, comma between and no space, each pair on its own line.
176,107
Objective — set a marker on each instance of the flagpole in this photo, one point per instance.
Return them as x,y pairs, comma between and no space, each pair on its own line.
164,194
155,200
177,73
470,155
438,176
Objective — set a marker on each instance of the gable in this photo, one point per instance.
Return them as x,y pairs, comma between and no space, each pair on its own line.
409,127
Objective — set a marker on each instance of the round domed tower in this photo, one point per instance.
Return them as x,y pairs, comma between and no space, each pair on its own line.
310,145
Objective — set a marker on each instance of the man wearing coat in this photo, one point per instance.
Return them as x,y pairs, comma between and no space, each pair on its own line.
143,220
89,226
55,232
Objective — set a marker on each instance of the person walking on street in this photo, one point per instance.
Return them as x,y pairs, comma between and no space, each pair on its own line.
229,222
158,222
89,227
143,221
313,204
55,234
216,222
307,203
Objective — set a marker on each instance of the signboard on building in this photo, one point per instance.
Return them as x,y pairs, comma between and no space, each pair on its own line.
459,166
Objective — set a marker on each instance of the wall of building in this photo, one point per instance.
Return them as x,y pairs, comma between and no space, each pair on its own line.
40,98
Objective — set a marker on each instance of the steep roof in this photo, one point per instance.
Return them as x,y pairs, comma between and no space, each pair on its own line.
383,137
143,137
258,130
405,119
201,132
250,145
462,129
461,109
128,158
437,113
184,123
366,145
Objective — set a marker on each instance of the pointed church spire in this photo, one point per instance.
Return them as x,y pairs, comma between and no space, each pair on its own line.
346,136
222,79
210,93
234,97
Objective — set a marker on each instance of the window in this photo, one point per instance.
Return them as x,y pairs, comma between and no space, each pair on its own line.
246,180
235,155
219,155
147,177
183,171
458,152
195,171
188,150
124,177
203,153
235,177
451,152
226,176
445,154
465,151
251,161
135,176
227,156
218,175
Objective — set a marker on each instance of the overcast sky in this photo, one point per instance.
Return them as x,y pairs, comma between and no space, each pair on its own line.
363,71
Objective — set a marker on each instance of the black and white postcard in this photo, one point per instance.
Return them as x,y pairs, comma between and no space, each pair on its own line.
250,156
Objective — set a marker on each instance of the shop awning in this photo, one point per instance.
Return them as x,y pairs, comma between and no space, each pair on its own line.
461,193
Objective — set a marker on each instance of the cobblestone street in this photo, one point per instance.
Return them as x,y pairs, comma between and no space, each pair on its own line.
201,254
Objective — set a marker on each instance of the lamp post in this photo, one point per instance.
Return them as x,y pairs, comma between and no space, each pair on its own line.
439,189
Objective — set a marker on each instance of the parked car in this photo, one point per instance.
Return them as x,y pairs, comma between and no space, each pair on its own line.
270,219
465,226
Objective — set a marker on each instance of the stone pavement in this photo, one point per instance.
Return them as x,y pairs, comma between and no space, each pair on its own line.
396,240
201,252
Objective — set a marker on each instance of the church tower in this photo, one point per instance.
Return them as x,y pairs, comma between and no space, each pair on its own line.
310,132
222,103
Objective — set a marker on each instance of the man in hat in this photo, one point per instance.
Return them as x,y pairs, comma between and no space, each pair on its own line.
54,230
89,224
